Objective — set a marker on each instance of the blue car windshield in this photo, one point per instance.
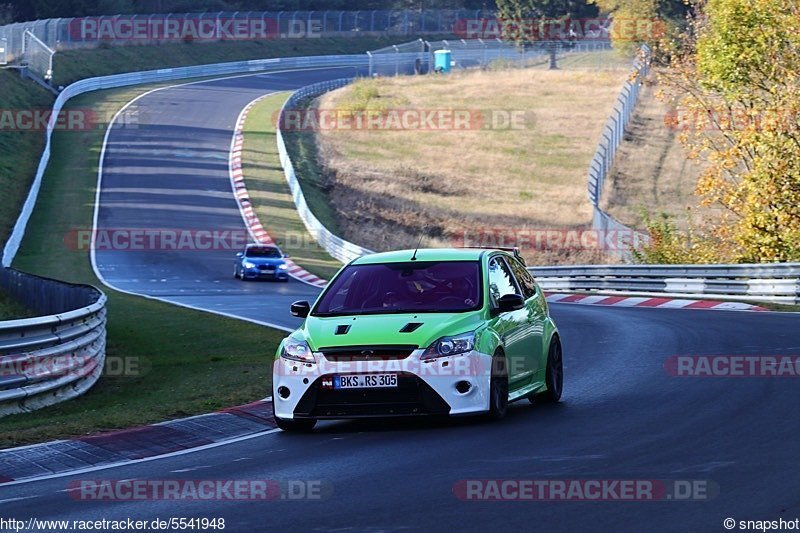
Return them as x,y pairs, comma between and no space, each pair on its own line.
263,252
411,287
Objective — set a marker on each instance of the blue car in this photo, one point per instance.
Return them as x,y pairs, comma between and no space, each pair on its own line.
259,261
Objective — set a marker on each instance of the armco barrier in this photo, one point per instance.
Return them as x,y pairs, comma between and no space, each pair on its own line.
55,357
774,282
337,247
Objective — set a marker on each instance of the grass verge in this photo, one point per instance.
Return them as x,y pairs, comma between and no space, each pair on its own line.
20,149
180,362
785,308
270,193
11,309
488,180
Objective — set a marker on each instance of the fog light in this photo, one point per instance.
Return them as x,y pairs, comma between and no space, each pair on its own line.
463,387
283,392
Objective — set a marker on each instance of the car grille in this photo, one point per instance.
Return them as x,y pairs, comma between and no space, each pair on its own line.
412,396
367,353
266,267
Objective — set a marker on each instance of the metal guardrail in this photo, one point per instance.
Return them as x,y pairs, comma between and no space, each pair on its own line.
337,247
55,357
774,282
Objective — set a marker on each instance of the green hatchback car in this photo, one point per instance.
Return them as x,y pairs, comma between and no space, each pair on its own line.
419,332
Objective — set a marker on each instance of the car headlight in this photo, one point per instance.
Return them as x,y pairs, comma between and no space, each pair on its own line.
447,346
283,266
297,351
248,264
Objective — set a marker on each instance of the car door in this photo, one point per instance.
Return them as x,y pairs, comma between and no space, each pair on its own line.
512,326
536,316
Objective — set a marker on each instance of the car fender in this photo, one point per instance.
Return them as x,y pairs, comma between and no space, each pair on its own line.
548,332
487,340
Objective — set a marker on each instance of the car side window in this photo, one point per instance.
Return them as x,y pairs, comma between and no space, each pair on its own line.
524,278
501,281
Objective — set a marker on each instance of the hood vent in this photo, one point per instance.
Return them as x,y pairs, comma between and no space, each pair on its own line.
342,329
411,326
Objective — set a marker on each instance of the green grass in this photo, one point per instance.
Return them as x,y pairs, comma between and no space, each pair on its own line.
314,181
19,150
772,306
11,309
270,193
190,362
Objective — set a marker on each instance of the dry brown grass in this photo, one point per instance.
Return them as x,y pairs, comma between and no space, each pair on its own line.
387,186
651,172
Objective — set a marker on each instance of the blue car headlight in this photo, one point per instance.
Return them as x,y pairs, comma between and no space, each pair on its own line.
283,266
248,264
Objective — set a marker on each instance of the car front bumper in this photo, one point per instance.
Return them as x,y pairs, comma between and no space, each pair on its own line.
303,390
255,273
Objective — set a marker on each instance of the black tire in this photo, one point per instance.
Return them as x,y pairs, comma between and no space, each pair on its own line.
498,388
304,425
554,375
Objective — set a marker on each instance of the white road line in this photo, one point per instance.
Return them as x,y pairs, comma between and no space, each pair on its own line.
18,499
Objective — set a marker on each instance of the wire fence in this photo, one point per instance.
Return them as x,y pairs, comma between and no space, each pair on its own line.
482,53
39,56
610,140
68,33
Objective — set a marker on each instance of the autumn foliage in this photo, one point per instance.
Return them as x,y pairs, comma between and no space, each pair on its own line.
734,78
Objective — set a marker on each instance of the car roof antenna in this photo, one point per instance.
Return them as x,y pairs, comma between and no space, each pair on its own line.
414,257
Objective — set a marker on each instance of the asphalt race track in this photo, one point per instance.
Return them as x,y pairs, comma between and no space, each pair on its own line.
170,173
623,416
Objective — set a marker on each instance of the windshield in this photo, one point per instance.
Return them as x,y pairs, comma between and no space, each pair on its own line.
263,252
418,287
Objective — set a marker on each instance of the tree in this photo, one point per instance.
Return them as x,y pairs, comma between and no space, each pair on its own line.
736,84
637,22
527,21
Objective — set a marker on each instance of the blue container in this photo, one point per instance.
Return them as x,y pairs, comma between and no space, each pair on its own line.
442,60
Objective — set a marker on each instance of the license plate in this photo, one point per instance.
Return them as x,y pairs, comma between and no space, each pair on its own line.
365,381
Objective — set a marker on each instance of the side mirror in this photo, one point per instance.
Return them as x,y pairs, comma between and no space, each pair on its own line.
300,308
240,254
510,302
285,255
